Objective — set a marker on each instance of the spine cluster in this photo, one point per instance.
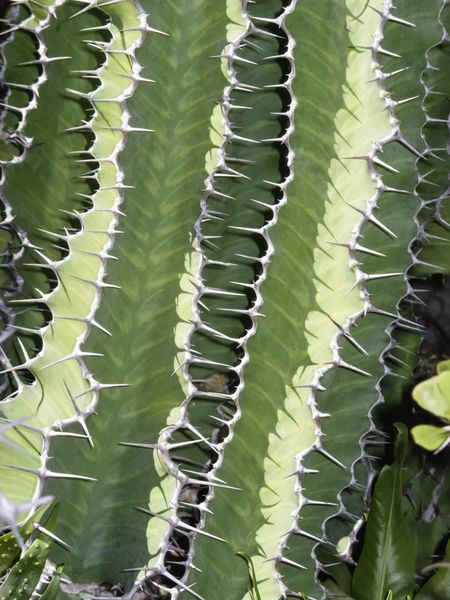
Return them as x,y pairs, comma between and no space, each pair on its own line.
80,273
363,469
185,514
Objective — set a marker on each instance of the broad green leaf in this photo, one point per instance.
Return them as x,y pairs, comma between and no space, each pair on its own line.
21,580
442,366
433,395
254,592
386,563
337,592
52,590
338,576
429,436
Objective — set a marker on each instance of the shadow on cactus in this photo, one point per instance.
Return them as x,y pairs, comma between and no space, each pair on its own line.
217,220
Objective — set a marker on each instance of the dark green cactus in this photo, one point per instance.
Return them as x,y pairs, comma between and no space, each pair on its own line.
216,216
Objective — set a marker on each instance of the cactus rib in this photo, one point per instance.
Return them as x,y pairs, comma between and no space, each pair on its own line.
217,166
81,273
361,278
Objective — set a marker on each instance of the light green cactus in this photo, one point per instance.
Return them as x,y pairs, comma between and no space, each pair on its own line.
215,219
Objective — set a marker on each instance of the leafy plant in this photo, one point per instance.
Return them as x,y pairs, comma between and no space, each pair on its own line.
213,216
22,577
433,395
385,567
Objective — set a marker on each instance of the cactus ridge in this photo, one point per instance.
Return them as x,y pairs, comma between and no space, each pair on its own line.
372,435
346,272
422,161
12,253
76,394
19,145
393,360
20,20
432,219
431,230
190,491
293,421
374,439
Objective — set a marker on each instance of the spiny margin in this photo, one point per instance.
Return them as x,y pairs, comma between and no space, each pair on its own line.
35,20
433,165
65,392
428,254
15,239
33,24
364,468
179,491
396,373
384,130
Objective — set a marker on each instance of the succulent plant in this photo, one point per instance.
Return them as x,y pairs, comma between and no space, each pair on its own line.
215,220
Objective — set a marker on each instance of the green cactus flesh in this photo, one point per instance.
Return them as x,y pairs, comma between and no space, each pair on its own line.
213,215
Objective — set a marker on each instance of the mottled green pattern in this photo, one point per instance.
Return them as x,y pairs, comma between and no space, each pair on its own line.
142,315
277,352
333,351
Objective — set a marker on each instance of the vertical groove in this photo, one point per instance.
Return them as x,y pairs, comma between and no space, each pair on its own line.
160,580
81,273
19,243
354,246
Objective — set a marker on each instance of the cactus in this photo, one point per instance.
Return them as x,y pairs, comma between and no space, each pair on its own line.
216,219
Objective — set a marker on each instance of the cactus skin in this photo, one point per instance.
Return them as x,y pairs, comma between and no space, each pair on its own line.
315,162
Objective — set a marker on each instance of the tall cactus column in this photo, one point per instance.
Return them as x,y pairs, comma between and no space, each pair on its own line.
213,219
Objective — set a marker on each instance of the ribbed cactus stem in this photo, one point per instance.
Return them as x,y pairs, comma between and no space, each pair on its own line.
71,391
160,576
